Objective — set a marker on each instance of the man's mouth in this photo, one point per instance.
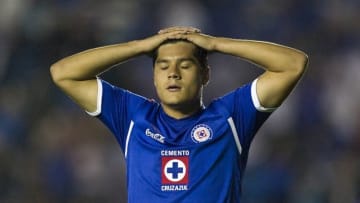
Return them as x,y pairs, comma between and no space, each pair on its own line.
173,88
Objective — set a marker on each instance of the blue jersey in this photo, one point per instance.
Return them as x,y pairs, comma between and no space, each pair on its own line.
200,158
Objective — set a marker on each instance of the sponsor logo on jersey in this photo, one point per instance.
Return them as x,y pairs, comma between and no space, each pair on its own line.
174,170
156,136
201,133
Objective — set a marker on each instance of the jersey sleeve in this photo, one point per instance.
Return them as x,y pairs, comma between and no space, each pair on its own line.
246,111
114,108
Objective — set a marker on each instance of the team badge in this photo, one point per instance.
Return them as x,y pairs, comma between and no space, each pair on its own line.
175,170
201,133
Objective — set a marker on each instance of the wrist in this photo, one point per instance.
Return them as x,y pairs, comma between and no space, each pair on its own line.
147,45
138,47
213,44
217,44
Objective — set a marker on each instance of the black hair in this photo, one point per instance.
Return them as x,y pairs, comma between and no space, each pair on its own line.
200,54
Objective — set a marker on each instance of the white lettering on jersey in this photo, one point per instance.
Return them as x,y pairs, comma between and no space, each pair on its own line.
173,187
175,152
156,136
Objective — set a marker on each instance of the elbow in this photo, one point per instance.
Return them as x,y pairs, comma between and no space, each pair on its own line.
301,61
304,60
56,73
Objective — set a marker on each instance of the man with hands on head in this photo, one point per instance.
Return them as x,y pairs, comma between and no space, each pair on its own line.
178,150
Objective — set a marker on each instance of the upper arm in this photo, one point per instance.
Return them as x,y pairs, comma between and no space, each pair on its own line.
84,93
273,87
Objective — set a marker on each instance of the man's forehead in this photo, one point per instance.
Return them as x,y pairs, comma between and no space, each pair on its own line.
177,49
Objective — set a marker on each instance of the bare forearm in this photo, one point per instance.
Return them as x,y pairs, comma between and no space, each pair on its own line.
88,64
270,56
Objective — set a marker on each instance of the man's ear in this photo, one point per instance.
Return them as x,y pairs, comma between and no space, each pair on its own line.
206,76
154,81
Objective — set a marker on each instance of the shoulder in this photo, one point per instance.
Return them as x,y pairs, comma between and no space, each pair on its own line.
233,98
115,98
246,96
108,88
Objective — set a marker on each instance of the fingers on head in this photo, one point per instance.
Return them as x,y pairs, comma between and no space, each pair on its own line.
177,36
181,29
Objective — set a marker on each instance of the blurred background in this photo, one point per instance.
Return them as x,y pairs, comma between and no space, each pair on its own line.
52,151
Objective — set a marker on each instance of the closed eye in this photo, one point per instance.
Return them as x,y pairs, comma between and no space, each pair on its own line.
162,65
185,65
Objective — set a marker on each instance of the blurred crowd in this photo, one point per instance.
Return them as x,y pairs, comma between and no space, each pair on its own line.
52,151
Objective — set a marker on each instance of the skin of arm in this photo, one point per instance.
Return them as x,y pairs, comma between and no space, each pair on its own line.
76,74
283,65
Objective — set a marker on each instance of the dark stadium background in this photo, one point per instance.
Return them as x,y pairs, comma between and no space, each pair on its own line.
51,151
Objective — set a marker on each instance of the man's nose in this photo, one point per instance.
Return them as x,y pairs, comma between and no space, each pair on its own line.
174,73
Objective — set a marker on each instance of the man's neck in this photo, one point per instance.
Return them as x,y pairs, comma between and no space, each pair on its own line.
182,112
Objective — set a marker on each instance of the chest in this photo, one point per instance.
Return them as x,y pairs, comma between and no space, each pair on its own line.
177,156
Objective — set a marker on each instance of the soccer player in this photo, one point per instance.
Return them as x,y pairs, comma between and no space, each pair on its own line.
178,150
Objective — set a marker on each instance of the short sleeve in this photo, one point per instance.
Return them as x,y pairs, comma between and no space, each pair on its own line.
247,113
256,101
98,100
115,107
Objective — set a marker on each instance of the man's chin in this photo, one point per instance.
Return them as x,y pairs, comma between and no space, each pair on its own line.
178,105
173,105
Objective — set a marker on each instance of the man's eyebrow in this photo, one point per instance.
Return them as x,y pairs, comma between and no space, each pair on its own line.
161,61
188,59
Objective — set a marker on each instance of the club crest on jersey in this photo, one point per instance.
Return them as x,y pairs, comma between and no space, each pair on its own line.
201,133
